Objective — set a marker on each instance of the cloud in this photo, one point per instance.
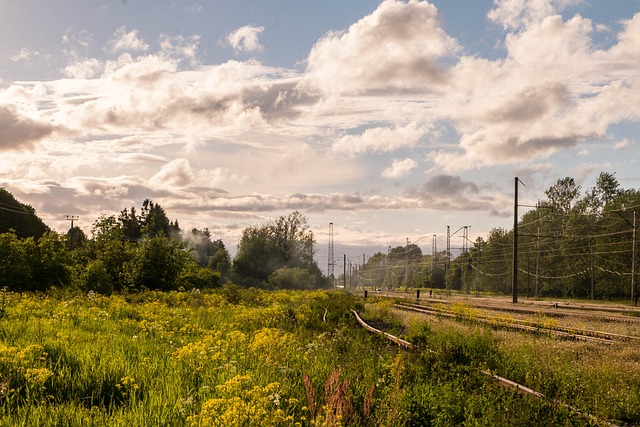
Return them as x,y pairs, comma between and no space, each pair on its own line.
399,168
25,54
180,48
380,139
553,92
83,69
621,144
18,132
176,173
449,192
516,14
129,41
399,45
217,177
245,39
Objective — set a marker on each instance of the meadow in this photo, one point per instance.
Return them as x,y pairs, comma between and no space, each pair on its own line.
247,357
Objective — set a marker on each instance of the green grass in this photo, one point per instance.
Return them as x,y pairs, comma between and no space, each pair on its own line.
250,357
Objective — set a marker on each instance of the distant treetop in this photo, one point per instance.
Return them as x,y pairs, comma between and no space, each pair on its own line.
19,217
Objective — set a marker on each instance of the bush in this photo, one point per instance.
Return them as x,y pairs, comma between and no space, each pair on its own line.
292,278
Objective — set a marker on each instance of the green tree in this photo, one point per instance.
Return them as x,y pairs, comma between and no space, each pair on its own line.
292,278
206,252
286,242
154,221
157,263
76,237
27,265
19,217
563,194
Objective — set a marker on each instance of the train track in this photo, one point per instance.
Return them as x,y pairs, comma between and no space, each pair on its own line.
562,332
551,309
504,382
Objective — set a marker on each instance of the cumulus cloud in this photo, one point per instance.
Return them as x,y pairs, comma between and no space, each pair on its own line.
245,39
24,54
18,132
83,69
554,91
399,168
180,48
217,177
516,14
449,192
176,173
129,41
399,45
379,139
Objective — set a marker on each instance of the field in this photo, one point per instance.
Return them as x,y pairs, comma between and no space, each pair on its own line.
247,357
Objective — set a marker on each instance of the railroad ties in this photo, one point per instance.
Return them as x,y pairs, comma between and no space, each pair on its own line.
519,388
562,332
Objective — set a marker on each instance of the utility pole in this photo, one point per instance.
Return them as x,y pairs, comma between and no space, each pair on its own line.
537,261
514,283
433,256
344,274
331,261
448,260
634,297
465,248
406,271
71,218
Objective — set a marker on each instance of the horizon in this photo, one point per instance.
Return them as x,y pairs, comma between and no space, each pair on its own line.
391,119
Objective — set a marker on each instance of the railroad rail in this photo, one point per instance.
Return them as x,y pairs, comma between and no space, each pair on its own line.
519,388
525,325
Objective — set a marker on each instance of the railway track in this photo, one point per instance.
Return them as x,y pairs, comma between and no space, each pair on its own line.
557,310
551,309
504,382
562,332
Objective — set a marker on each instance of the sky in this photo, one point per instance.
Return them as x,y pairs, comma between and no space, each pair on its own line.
390,119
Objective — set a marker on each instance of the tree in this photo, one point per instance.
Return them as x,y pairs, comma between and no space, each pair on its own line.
286,242
292,278
76,237
19,217
212,254
27,265
154,221
563,194
157,263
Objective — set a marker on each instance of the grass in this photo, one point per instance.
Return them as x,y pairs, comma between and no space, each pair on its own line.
249,357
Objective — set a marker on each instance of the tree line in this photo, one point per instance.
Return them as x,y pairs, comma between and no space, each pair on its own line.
144,250
571,244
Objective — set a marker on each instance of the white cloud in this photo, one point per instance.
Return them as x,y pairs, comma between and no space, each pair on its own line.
25,54
83,69
399,45
123,40
218,177
621,144
516,14
18,132
181,48
176,173
245,39
380,139
399,168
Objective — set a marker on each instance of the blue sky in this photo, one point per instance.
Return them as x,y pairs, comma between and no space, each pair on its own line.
390,119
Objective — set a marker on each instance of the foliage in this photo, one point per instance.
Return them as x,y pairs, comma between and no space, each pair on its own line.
286,242
156,264
292,278
19,217
31,266
570,245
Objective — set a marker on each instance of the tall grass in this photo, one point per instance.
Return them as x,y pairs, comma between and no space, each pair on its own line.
248,357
